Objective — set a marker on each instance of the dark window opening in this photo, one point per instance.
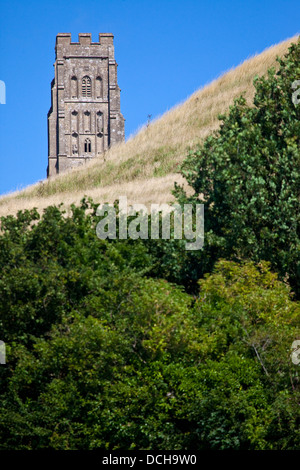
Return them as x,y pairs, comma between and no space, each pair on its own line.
86,86
87,146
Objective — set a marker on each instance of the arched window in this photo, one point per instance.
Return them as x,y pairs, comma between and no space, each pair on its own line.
87,146
86,86
74,90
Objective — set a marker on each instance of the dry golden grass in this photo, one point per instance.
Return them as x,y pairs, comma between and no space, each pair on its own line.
135,191
144,168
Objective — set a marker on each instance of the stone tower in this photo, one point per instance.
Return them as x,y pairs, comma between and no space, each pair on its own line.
84,118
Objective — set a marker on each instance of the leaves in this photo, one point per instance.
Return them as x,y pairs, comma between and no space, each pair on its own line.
248,176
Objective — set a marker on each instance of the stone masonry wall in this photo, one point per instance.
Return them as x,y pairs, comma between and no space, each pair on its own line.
85,118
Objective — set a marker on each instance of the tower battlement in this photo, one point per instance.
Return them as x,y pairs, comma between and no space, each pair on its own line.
85,118
85,39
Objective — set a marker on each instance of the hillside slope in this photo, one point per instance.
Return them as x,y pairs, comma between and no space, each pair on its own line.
145,167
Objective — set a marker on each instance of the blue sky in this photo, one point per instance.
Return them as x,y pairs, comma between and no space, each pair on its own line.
165,51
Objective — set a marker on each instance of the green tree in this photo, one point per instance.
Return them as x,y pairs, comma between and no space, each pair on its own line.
137,366
248,176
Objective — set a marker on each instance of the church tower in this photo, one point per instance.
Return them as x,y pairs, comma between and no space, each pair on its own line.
84,119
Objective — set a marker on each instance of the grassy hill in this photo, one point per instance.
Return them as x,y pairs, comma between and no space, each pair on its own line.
146,166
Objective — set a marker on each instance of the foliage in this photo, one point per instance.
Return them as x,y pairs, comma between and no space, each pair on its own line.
248,176
101,355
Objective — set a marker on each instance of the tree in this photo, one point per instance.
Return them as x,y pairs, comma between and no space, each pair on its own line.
247,175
